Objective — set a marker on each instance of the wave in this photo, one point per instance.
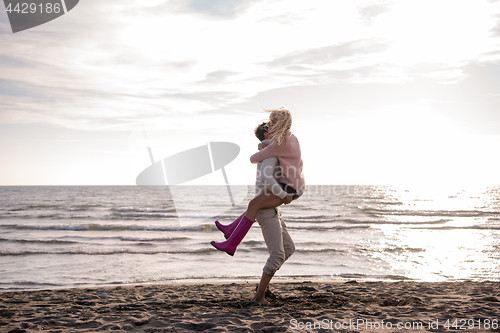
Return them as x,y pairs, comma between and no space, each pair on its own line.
30,283
15,209
49,216
112,216
59,216
260,246
398,249
253,243
100,227
338,227
34,241
354,221
341,219
143,210
446,213
473,227
141,213
57,212
43,206
392,249
138,216
84,207
87,207
80,207
323,250
124,239
361,276
160,240
313,218
104,252
54,216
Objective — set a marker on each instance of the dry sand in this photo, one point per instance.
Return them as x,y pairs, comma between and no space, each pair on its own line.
330,306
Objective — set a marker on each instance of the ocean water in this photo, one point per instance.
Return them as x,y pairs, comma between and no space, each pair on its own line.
73,236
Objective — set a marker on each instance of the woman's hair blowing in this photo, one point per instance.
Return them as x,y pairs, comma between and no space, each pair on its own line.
282,122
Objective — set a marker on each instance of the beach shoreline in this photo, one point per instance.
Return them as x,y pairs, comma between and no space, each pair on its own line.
345,306
214,281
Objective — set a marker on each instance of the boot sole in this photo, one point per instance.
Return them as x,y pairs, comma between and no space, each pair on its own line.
231,254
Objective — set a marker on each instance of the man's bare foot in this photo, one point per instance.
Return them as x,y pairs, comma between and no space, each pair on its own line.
269,294
262,301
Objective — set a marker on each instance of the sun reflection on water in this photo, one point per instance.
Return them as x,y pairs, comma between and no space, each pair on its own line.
439,234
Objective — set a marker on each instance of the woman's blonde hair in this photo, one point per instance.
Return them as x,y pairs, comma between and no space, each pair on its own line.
282,122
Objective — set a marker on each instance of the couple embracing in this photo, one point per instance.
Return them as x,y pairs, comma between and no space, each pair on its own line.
280,180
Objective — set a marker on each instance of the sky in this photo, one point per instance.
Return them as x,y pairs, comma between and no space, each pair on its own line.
381,92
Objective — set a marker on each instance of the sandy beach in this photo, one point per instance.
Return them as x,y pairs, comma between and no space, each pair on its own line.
297,306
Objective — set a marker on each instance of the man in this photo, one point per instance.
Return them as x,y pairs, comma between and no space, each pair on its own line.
278,241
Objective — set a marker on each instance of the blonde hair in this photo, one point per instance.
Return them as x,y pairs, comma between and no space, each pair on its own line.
282,122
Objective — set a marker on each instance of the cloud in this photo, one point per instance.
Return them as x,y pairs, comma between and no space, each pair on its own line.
226,9
135,59
364,68
370,12
13,61
304,75
4,23
212,97
218,77
470,104
286,18
353,61
330,54
495,31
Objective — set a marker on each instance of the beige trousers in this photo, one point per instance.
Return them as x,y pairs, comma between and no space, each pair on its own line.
279,243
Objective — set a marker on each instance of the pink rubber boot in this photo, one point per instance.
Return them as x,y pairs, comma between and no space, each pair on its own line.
230,245
227,230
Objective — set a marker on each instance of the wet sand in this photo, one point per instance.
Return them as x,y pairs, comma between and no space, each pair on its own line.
297,306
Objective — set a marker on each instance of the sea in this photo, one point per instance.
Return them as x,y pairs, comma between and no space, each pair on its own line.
54,237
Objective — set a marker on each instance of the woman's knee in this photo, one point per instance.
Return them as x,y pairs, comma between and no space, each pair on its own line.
254,203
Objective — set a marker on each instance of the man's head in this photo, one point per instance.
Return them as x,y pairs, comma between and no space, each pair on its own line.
261,132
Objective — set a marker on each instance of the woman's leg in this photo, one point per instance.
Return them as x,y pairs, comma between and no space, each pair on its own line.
265,200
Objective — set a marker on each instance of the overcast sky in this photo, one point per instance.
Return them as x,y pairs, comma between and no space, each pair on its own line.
381,92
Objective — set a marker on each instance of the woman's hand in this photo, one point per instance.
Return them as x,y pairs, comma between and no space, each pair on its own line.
288,198
262,145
